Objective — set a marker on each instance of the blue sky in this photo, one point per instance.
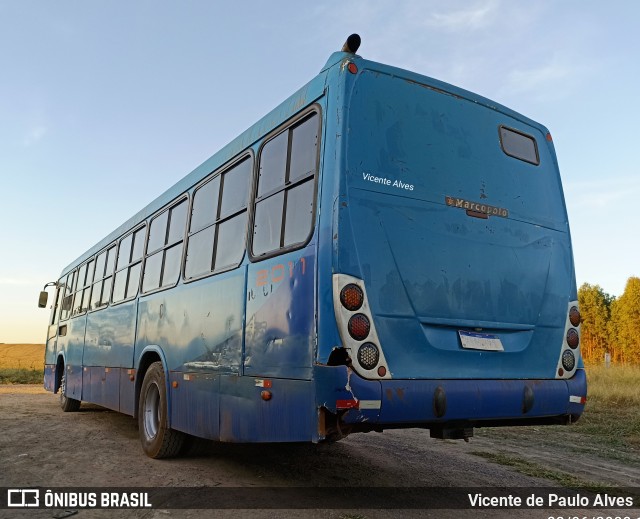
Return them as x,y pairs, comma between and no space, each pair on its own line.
105,104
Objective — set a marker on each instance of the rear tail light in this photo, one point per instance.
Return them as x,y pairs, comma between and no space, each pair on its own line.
568,360
351,297
573,338
570,350
368,355
574,316
359,327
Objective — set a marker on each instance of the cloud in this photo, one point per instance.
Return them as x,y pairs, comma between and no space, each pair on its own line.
536,78
474,17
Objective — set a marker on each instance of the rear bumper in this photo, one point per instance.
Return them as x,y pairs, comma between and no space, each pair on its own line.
449,403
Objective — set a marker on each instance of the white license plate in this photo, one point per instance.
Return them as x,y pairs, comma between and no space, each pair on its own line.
480,341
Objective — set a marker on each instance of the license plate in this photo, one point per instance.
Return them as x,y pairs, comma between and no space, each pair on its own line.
480,341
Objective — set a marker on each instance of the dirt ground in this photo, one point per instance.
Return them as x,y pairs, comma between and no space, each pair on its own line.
42,446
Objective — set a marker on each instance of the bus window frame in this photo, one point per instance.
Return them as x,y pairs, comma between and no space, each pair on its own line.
286,126
145,256
73,273
128,265
83,287
519,132
57,304
113,244
247,154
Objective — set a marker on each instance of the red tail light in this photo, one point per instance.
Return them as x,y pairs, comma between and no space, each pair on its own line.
574,316
573,338
359,326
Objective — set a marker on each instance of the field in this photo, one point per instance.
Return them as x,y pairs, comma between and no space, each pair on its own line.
21,363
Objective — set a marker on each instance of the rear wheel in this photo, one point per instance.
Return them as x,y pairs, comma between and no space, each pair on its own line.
68,404
158,440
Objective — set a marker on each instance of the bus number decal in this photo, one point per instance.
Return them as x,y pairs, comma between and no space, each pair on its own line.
278,272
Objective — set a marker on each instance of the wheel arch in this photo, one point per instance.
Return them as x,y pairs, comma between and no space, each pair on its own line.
57,378
148,356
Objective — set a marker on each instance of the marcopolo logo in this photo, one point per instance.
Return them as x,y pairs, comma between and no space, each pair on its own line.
23,498
475,207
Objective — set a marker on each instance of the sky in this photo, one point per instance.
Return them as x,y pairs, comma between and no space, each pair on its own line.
105,104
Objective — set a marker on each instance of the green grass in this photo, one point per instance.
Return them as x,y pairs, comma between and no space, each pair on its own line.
20,376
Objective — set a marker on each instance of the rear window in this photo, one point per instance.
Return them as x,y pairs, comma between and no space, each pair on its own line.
519,145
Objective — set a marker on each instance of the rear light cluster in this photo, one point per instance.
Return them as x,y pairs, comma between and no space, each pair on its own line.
570,353
356,327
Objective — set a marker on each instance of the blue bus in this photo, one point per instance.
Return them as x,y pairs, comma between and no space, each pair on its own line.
383,250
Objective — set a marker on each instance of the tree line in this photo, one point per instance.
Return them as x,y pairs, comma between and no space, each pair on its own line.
610,324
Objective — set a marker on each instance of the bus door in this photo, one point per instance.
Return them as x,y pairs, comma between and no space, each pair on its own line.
52,339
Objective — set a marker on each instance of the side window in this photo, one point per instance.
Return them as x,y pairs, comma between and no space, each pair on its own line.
103,278
55,314
218,222
519,145
283,214
128,265
67,299
164,248
83,289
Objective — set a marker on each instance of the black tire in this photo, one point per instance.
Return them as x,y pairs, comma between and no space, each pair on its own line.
194,446
67,404
158,441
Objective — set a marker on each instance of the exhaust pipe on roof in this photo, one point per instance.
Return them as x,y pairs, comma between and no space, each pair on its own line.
352,44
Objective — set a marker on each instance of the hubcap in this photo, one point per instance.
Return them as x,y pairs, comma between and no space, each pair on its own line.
152,411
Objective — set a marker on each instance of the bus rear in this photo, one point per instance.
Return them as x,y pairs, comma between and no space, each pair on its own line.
453,285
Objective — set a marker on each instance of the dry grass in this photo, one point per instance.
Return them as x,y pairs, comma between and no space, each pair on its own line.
612,415
614,387
609,427
22,356
21,363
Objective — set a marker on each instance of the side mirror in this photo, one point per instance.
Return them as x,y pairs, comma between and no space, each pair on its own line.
42,300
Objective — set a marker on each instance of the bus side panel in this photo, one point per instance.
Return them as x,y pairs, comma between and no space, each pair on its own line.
109,346
72,344
280,336
195,403
198,326
127,392
288,416
102,386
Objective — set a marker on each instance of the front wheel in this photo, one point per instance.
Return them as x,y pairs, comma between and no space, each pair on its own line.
158,440
68,404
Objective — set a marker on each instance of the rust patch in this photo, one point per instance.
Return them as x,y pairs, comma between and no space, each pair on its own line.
389,394
400,393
